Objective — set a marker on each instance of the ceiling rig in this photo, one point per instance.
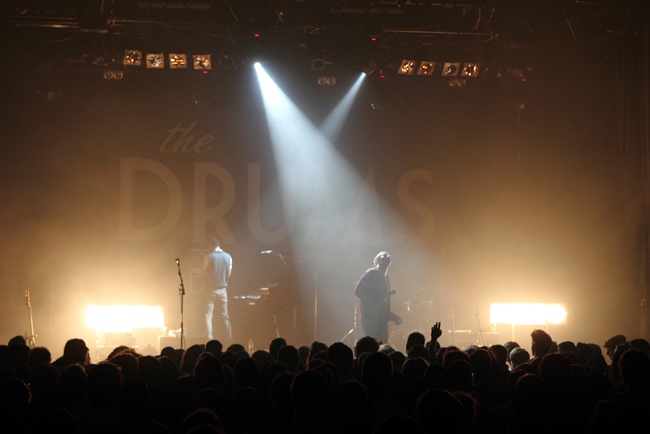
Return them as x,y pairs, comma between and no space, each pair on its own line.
361,34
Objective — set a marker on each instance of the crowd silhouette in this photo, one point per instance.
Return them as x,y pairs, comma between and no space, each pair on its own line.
319,388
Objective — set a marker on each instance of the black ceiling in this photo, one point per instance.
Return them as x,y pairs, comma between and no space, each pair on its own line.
76,33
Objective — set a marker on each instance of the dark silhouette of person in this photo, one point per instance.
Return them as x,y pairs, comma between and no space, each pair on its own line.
414,338
215,272
373,290
342,357
74,351
541,344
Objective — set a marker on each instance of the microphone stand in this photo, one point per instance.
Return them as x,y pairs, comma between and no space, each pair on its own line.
31,339
181,292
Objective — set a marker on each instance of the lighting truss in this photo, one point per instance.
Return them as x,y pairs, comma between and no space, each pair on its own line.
134,58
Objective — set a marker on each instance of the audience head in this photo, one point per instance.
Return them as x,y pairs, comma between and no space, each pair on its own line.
247,373
366,344
190,357
308,392
18,354
640,345
209,373
555,369
541,343
413,369
128,363
438,376
376,371
17,340
103,383
418,350
39,356
415,338
214,347
342,357
275,346
303,353
634,367
289,355
461,375
567,347
611,344
439,411
315,348
397,358
202,420
262,357
482,365
451,355
517,357
238,349
500,353
511,345
74,351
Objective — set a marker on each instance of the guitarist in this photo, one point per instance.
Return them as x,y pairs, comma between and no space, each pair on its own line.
373,290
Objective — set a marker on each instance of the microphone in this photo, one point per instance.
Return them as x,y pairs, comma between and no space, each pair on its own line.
178,261
266,252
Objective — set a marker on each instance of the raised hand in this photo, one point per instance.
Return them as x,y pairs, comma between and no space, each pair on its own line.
436,331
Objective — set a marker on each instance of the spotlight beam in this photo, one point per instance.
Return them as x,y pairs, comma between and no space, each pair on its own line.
332,206
333,124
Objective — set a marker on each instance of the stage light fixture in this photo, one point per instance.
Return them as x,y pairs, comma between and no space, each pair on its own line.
407,67
517,73
132,58
457,82
123,319
227,61
527,313
426,68
470,70
370,67
202,62
110,74
319,64
326,80
450,69
155,61
177,61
